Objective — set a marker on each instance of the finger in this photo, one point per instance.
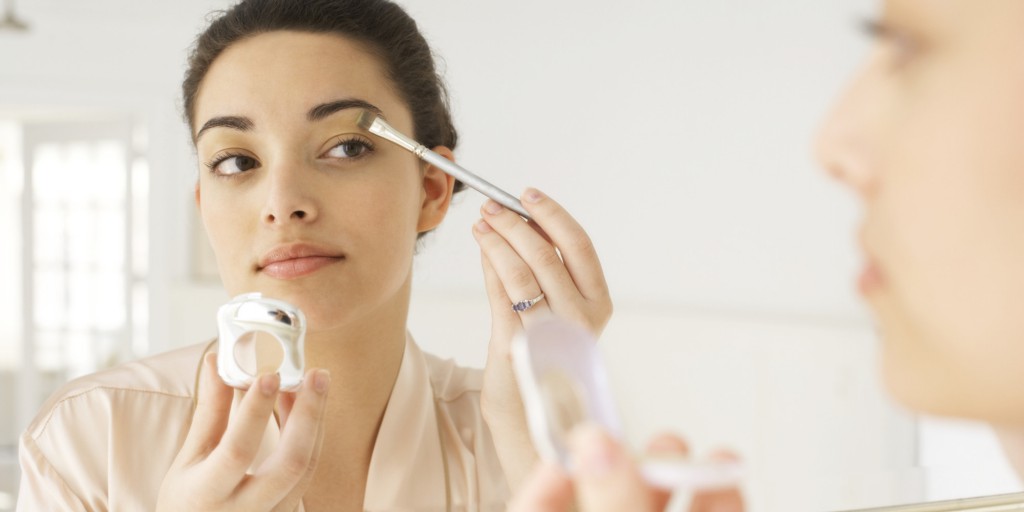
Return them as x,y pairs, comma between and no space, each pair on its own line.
665,445
725,500
291,502
285,403
505,321
570,238
248,423
606,478
730,500
210,419
295,455
537,252
547,489
516,276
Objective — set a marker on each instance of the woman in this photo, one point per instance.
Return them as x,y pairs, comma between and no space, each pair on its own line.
928,136
302,206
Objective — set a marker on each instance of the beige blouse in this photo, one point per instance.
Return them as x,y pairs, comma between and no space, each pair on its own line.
105,441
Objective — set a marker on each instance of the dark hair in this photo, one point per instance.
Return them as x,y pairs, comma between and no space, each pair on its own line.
384,27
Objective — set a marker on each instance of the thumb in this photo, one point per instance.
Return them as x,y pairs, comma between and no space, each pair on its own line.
548,489
606,478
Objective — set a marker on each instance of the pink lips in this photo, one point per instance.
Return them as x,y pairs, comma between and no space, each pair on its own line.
290,261
871,278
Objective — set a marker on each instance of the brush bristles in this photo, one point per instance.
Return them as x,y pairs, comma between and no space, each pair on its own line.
366,119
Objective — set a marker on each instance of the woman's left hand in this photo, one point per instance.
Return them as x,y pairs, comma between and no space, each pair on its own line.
552,255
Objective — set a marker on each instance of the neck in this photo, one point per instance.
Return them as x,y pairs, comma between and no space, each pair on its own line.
364,357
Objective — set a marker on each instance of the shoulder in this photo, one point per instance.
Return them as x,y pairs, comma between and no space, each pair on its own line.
166,377
105,440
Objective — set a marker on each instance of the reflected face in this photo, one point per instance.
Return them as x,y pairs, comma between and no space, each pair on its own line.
299,203
930,136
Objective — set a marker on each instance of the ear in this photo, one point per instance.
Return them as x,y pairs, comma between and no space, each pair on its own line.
199,204
438,189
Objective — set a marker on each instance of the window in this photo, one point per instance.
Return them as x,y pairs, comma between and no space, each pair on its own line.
73,262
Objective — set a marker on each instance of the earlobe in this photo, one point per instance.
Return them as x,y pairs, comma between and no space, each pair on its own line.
438,189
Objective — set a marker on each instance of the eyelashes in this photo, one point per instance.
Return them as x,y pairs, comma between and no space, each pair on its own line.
344,150
875,29
242,163
902,46
352,147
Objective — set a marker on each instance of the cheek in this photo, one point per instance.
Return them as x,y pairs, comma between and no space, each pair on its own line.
228,234
384,211
951,211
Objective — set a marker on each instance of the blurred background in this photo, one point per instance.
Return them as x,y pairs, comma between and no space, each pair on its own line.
677,132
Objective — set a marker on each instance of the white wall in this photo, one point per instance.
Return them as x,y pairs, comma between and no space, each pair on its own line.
677,132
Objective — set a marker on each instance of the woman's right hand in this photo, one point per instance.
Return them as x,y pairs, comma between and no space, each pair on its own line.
607,480
210,471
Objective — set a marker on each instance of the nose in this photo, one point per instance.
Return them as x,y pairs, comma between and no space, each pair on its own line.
846,145
290,197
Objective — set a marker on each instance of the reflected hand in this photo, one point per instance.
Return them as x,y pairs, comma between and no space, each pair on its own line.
210,471
608,481
520,259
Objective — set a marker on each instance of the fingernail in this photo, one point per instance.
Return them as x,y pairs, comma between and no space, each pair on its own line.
482,226
492,207
594,453
321,381
269,384
532,195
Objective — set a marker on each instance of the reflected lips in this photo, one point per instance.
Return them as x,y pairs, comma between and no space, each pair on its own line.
870,279
297,260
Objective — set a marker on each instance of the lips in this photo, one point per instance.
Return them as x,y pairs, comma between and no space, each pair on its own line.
290,261
871,278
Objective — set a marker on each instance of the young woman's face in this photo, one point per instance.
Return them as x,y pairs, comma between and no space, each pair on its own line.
300,204
931,138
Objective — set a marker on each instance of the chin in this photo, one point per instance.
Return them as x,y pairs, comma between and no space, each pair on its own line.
915,377
945,387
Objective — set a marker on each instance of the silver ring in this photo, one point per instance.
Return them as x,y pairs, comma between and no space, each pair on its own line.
523,305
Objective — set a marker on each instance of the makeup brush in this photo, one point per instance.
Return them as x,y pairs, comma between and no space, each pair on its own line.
372,123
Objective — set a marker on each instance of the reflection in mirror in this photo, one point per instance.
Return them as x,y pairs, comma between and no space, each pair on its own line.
674,132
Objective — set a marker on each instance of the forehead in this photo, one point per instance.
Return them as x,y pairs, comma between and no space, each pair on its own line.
958,14
280,75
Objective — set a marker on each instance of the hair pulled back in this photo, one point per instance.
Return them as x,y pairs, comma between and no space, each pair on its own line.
382,26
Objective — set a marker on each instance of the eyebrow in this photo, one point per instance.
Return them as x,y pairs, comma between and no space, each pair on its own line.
317,113
324,110
239,123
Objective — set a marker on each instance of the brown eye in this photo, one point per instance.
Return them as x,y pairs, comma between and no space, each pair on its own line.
235,164
349,149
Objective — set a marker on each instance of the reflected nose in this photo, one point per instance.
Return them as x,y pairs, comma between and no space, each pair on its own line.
290,198
845,145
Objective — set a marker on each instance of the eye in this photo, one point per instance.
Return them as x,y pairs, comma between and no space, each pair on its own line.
900,45
228,165
350,149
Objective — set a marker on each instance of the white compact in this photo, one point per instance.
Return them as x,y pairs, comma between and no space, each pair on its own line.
250,314
563,383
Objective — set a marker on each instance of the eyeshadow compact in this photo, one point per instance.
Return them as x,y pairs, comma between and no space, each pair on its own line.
244,325
563,383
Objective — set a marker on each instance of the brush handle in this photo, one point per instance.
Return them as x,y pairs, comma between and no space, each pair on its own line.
473,181
377,126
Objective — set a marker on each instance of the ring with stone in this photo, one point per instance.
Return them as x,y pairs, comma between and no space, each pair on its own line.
523,305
